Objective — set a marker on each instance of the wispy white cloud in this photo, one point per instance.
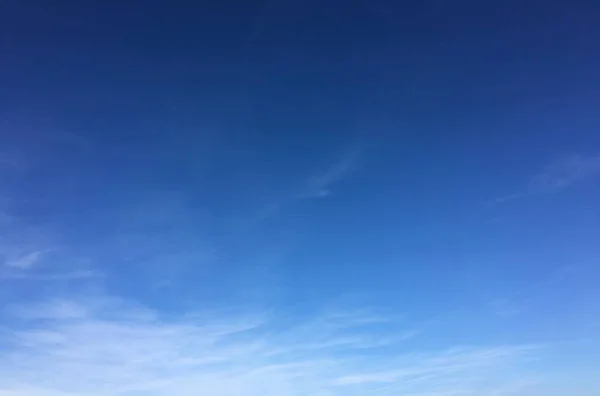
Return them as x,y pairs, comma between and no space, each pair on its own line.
26,258
112,347
51,276
320,185
24,261
54,309
556,176
24,247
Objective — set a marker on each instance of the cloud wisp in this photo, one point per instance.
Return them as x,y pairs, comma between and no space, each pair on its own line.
108,346
25,261
319,185
557,176
25,258
51,276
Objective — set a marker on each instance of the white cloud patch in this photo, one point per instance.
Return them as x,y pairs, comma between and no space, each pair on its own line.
104,347
24,261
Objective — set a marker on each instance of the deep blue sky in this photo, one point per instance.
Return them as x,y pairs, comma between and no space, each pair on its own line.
433,163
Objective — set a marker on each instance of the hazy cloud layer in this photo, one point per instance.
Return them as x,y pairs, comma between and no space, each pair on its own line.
56,342
108,346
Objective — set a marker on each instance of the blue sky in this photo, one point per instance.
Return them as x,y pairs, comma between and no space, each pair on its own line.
299,198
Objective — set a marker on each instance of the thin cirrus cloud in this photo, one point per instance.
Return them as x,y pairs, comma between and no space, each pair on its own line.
319,185
556,176
108,346
25,261
81,274
24,264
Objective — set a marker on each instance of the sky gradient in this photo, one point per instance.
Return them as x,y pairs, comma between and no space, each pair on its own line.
244,198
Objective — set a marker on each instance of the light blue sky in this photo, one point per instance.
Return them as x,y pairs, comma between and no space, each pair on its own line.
299,200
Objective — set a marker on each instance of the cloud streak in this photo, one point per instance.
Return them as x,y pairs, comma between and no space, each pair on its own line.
319,185
25,261
557,176
51,276
108,346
